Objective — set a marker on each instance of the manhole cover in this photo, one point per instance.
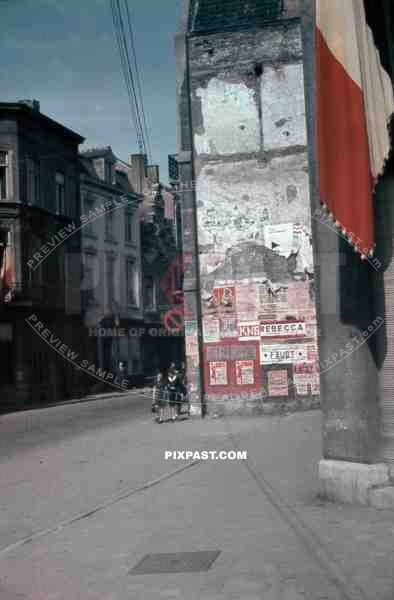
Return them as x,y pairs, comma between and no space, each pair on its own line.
177,562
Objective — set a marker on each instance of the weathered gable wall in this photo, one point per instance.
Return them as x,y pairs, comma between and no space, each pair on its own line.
253,217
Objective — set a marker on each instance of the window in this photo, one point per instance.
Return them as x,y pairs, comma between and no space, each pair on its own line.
89,278
108,173
149,293
109,225
130,232
33,182
110,279
131,283
88,202
4,175
60,193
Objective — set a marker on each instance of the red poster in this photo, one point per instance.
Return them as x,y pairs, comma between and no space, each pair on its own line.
224,297
218,373
277,383
244,370
232,367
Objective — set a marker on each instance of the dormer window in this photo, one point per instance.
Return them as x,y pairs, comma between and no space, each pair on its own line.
109,172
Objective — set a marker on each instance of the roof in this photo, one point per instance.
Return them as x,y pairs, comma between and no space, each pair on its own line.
122,182
24,108
99,152
212,15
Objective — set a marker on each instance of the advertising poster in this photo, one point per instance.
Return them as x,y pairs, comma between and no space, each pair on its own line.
211,330
249,331
218,373
191,349
244,370
301,382
286,329
279,238
232,365
278,354
313,355
190,328
306,378
224,297
273,302
315,385
277,383
229,328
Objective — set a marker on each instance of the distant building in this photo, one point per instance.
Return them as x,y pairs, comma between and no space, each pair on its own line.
173,168
160,260
112,266
39,219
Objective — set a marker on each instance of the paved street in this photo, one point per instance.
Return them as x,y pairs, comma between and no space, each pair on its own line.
86,493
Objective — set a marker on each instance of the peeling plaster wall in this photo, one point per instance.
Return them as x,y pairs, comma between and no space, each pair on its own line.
283,120
236,199
230,119
253,216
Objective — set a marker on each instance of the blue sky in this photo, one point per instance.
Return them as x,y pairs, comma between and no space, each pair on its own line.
63,53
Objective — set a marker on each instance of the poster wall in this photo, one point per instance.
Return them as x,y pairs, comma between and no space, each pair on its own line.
232,367
278,383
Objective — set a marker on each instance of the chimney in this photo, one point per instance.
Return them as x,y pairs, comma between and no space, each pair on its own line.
33,104
138,172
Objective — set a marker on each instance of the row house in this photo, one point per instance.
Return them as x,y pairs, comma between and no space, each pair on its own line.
39,235
112,274
79,297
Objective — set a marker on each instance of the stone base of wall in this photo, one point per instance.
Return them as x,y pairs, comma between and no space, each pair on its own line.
357,483
263,407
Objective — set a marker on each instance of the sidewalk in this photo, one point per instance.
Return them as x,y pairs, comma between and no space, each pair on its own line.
277,540
79,400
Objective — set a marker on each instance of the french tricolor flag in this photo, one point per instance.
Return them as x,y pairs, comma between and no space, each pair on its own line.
354,104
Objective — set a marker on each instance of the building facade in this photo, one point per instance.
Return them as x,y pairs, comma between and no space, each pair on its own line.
251,334
112,285
262,78
40,293
162,268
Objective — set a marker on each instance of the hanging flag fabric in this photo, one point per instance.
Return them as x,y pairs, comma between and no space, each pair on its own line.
354,105
7,274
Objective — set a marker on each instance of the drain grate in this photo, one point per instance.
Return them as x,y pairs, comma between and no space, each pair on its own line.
176,562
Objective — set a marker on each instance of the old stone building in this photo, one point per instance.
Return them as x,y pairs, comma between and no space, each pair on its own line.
112,267
39,216
249,96
251,333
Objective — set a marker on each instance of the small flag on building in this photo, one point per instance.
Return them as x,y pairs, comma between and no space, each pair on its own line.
7,273
355,103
